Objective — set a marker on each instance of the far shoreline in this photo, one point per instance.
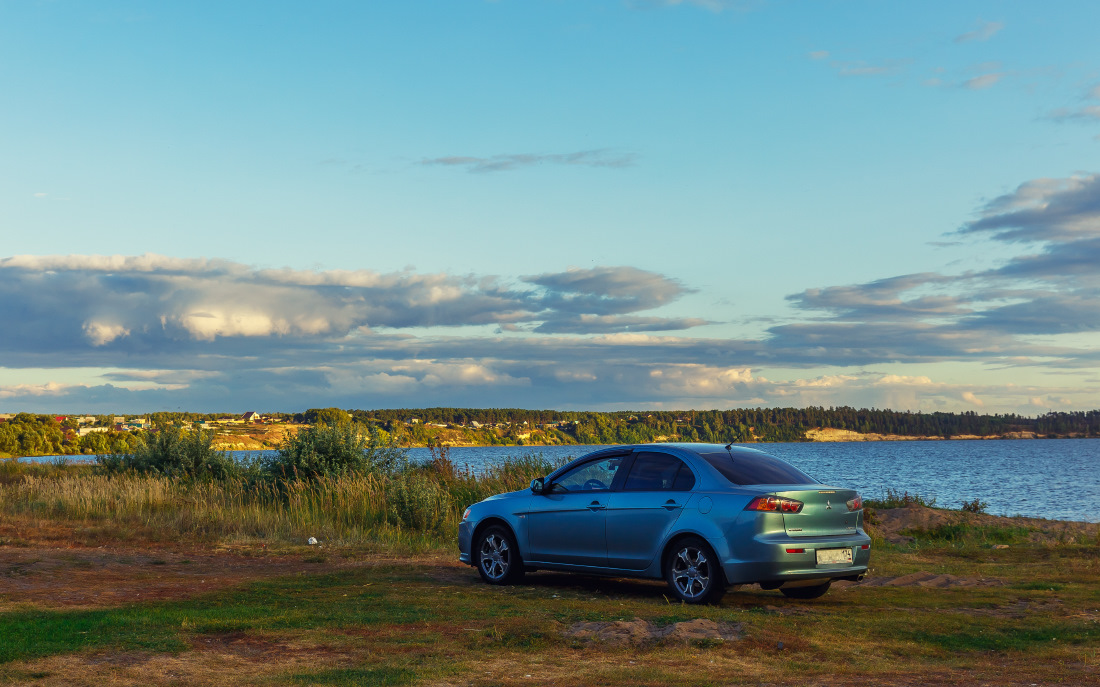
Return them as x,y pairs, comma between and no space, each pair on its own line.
824,435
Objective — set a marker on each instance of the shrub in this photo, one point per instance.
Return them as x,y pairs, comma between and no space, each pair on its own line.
418,502
895,499
332,450
975,506
174,452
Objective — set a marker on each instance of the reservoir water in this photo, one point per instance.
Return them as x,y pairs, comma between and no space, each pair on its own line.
1047,478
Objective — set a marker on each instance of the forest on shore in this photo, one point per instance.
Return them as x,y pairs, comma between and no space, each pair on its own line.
27,434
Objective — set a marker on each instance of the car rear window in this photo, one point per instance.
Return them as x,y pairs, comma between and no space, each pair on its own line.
756,469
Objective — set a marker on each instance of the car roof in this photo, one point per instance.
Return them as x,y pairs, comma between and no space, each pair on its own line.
698,449
708,448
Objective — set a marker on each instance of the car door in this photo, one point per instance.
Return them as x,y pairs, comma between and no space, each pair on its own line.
648,503
566,524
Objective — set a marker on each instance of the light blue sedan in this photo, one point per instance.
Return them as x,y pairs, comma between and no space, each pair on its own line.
702,516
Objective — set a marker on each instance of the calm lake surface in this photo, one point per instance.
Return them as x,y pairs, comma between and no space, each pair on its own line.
1046,478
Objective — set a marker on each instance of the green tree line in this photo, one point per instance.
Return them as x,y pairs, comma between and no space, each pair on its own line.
34,435
42,435
740,425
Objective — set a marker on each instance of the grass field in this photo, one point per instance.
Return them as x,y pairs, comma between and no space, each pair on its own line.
103,599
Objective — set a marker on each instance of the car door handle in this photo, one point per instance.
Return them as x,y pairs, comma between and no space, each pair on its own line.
670,504
596,505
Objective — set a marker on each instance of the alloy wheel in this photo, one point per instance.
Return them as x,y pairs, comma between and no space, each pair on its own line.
691,572
496,556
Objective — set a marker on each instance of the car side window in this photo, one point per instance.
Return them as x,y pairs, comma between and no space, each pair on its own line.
658,472
596,475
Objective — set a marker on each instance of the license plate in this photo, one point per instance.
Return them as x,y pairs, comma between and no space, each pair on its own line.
832,556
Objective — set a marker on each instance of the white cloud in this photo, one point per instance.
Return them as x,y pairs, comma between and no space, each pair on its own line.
100,333
25,390
511,161
1088,113
698,381
860,69
819,54
969,397
826,381
982,82
984,32
712,5
574,376
152,299
903,380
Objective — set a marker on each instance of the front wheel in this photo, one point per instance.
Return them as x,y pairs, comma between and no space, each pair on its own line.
498,559
693,572
806,592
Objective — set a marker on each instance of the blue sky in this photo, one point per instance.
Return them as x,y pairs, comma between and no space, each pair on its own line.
620,204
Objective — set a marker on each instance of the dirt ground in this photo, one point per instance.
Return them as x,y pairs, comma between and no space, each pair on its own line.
892,524
112,576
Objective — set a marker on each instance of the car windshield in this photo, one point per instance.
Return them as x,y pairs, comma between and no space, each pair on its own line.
756,468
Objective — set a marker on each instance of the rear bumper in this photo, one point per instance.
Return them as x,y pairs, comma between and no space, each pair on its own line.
765,559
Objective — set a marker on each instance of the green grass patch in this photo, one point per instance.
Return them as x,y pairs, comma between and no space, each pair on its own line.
297,603
360,677
1040,586
1021,636
966,533
33,634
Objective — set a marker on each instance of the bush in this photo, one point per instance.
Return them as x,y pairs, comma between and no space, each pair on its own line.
975,506
173,452
333,450
895,499
418,502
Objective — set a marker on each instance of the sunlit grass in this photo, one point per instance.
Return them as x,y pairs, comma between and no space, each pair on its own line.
418,507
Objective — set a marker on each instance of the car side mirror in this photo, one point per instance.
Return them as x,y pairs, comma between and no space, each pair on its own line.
538,485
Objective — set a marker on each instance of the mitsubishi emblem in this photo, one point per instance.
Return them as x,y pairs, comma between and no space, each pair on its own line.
828,505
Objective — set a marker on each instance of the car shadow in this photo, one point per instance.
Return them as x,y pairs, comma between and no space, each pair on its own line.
594,584
746,596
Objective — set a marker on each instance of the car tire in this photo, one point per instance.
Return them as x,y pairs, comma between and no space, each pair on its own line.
498,559
806,592
693,572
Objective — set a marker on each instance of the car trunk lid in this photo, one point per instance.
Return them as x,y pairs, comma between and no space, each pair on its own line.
824,512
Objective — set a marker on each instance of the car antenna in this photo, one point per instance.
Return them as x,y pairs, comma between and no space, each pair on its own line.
728,447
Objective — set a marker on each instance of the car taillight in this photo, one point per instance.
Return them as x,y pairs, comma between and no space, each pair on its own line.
466,514
774,503
856,503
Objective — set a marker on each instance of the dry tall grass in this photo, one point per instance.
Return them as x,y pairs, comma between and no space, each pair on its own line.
418,507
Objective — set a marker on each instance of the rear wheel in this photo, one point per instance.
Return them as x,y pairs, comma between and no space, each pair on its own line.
806,592
498,559
693,572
